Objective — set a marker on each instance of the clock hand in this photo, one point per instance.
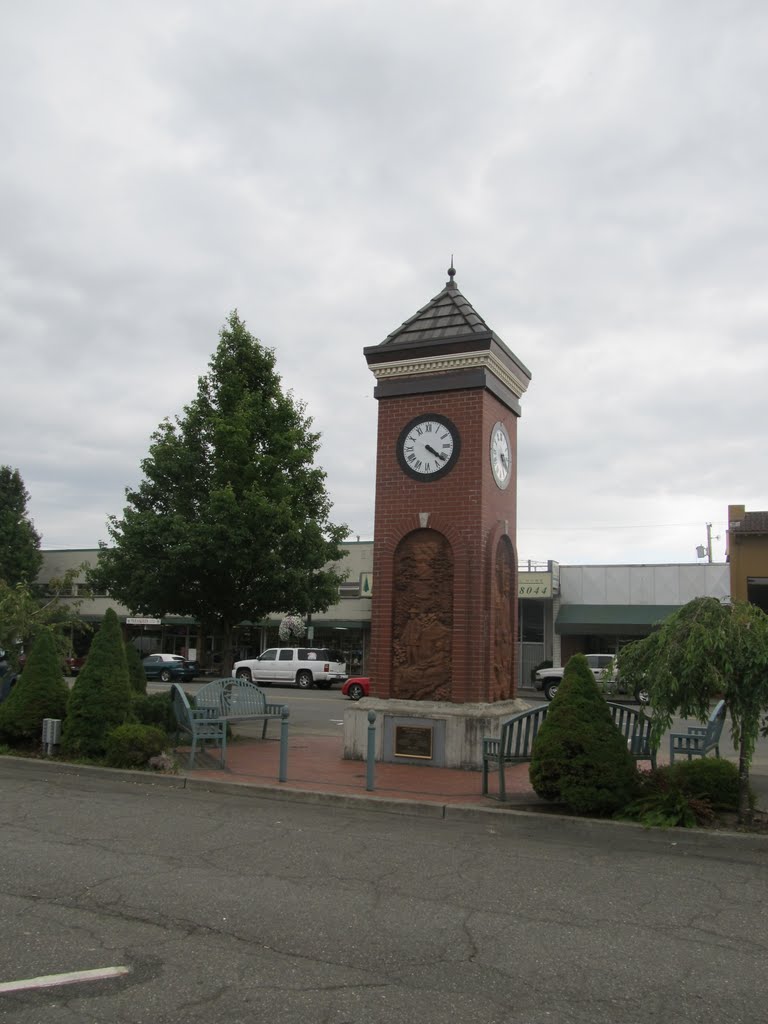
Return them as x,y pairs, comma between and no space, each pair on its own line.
432,451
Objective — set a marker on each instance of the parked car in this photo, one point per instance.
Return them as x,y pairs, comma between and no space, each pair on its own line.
603,669
302,666
356,687
158,666
189,668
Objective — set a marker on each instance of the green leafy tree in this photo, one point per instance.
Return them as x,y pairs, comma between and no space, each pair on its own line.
26,610
101,697
579,757
702,651
231,521
39,693
20,555
137,677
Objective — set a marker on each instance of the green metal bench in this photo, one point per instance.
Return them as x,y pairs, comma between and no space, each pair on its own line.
635,727
699,740
202,725
236,700
514,744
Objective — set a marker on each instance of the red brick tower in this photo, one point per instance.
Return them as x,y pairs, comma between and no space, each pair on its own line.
444,612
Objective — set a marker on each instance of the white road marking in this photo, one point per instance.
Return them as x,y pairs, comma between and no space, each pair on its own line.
49,980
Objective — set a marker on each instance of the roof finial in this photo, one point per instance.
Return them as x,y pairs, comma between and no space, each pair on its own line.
451,274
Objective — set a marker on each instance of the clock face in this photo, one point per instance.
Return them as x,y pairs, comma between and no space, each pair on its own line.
428,446
501,455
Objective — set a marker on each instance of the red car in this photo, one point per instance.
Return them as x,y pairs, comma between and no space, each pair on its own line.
356,687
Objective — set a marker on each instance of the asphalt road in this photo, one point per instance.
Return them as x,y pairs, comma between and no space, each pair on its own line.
230,908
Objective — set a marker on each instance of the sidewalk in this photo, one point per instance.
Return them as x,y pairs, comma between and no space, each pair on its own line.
315,764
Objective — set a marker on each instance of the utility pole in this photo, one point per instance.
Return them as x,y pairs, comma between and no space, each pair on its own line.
709,543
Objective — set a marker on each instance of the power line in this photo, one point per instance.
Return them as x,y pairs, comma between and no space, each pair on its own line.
631,526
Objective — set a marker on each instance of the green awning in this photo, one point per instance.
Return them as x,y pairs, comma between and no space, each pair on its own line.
611,619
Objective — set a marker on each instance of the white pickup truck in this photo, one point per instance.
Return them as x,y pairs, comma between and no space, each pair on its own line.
603,669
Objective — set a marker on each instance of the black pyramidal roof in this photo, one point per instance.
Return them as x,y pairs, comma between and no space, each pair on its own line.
447,315
447,326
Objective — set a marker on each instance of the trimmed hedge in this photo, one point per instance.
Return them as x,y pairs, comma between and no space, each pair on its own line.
131,745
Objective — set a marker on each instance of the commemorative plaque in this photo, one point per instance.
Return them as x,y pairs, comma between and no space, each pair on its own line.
413,741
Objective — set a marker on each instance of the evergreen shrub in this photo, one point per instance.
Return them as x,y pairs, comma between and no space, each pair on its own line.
711,779
154,709
137,677
101,696
686,794
132,746
580,758
40,692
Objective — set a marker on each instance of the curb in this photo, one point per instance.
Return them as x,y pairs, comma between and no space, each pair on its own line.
414,808
497,815
685,838
43,767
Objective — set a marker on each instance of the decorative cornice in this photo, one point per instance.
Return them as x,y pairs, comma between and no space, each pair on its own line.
446,363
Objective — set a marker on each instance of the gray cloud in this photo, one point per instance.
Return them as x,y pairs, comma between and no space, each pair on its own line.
596,169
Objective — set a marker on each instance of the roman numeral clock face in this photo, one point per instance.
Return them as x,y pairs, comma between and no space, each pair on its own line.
501,456
428,447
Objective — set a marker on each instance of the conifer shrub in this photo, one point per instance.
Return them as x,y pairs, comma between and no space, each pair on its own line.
101,697
40,692
137,677
154,709
132,745
580,758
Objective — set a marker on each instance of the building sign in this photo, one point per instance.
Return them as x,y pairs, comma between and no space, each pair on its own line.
142,622
366,584
534,584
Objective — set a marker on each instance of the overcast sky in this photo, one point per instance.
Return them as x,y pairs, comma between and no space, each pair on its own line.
598,171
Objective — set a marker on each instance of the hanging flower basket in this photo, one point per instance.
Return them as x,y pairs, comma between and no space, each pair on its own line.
292,626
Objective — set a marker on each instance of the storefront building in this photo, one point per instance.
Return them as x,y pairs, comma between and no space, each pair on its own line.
562,609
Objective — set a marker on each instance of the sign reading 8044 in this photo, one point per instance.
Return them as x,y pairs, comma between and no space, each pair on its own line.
534,584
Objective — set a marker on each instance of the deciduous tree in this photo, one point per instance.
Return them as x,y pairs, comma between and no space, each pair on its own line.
231,520
26,609
704,650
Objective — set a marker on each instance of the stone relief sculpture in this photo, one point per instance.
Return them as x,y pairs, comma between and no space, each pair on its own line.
502,615
422,617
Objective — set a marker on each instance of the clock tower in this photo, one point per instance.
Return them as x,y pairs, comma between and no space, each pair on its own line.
444,609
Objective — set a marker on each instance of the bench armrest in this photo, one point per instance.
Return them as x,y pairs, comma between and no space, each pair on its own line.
205,715
275,709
